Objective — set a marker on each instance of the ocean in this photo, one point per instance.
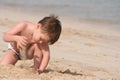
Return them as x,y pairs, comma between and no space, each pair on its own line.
107,10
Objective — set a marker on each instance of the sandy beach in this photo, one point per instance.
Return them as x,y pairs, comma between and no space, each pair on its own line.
85,51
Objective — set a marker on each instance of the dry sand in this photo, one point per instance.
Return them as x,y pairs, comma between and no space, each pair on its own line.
85,51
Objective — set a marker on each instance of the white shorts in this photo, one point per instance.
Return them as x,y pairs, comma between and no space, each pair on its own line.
15,52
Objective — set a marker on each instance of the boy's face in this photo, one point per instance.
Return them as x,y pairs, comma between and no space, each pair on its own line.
39,36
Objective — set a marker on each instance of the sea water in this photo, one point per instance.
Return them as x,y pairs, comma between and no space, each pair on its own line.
103,10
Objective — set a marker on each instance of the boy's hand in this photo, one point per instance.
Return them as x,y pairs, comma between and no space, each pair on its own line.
21,41
38,71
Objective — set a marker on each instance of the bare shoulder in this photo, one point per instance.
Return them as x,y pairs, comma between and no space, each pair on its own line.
19,27
21,24
24,24
27,23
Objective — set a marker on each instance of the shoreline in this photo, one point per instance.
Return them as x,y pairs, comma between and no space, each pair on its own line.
43,13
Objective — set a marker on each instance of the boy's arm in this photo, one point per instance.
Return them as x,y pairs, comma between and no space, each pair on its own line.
46,56
12,35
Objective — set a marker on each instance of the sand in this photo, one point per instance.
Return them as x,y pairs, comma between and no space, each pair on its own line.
85,51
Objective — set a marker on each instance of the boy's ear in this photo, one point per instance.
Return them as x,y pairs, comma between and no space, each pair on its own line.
39,26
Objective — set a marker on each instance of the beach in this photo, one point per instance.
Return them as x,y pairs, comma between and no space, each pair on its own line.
86,50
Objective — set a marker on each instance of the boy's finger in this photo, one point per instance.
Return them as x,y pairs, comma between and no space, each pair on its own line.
18,47
39,71
25,38
24,42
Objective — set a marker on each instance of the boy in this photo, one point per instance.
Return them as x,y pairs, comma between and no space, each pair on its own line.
35,39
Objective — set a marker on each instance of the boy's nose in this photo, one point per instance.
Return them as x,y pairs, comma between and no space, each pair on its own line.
40,41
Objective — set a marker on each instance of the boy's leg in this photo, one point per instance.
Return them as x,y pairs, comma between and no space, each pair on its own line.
9,58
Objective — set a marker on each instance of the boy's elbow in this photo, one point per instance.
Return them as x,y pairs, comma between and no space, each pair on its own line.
4,37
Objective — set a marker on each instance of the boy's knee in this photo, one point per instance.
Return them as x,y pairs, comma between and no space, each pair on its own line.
35,45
